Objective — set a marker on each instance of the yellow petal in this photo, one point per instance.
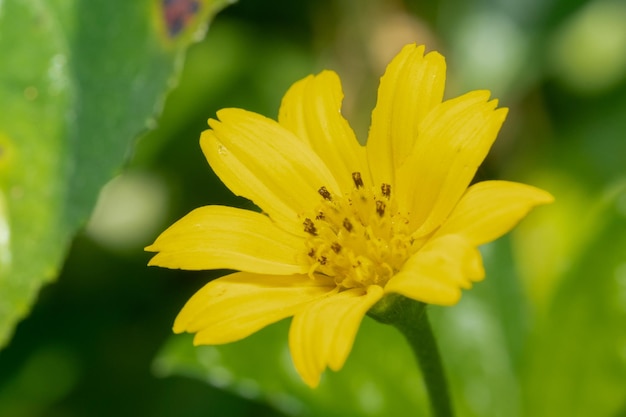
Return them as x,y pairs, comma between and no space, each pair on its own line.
237,305
490,209
311,109
412,85
266,163
243,181
214,237
323,333
436,273
455,138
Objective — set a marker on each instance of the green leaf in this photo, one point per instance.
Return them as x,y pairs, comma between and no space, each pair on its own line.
482,339
380,377
576,361
79,81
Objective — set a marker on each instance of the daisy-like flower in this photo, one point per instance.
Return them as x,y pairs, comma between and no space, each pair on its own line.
342,224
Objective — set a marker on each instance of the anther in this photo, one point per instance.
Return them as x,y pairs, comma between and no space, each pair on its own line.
336,247
380,208
323,260
325,193
309,227
311,253
358,181
386,190
347,225
320,216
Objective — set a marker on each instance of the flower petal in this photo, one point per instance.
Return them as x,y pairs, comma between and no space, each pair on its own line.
237,305
243,181
311,109
436,273
266,163
214,237
490,209
411,87
322,334
454,139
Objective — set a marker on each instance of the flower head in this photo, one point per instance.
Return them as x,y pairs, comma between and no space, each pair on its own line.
343,224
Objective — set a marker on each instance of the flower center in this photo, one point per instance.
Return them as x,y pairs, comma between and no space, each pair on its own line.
359,238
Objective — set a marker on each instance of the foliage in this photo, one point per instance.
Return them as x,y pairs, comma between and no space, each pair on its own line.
80,81
543,335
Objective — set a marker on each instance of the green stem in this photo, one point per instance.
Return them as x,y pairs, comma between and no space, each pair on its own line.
411,319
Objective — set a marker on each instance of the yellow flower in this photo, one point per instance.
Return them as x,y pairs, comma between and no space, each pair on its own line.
343,224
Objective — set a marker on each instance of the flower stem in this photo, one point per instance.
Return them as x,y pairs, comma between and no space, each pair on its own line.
411,319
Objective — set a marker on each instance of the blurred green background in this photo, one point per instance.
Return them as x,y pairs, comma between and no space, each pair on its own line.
544,335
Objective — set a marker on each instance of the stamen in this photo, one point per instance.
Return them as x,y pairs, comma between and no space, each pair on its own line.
386,190
325,193
380,208
358,181
360,237
309,227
